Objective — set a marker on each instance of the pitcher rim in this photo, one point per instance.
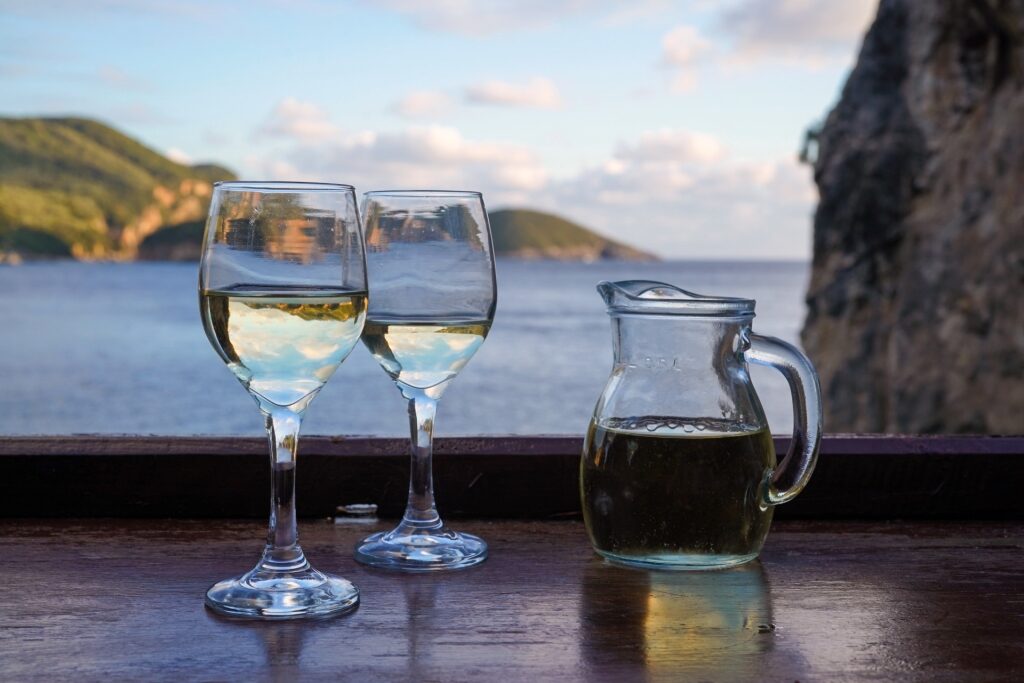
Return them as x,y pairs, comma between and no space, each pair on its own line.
626,297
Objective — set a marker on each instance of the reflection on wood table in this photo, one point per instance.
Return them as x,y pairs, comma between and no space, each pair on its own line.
837,601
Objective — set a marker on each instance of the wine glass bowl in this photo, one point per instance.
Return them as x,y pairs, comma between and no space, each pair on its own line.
431,268
282,293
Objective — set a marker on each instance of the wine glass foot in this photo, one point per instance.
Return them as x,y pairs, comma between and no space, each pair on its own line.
296,595
421,550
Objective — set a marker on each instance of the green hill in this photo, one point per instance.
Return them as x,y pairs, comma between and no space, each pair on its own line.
76,187
72,186
179,242
517,233
530,234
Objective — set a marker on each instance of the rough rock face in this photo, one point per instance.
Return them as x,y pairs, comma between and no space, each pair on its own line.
916,301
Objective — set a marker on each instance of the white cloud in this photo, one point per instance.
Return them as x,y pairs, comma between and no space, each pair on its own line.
416,157
541,93
680,193
175,154
683,49
683,45
685,81
747,33
523,176
805,32
672,145
276,169
725,209
675,192
422,103
295,119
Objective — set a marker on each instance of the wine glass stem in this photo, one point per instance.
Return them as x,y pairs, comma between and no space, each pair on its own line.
421,511
283,552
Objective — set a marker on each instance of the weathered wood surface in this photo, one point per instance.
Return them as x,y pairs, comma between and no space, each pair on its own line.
121,600
877,477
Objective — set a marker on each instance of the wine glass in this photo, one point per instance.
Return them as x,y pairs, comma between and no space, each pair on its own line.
282,293
431,267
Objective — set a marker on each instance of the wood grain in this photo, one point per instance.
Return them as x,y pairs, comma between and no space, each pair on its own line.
873,477
121,600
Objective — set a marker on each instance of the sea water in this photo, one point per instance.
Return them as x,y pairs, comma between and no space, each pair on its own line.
119,348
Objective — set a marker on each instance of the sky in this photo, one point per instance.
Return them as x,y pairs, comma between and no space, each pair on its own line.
672,126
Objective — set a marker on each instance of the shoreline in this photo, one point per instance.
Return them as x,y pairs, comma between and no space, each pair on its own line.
16,259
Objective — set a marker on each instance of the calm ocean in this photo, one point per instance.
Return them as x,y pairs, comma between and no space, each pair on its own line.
118,348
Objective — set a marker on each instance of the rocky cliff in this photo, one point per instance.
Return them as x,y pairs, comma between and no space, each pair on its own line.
916,303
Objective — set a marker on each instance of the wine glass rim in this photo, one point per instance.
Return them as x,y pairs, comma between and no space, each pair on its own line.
282,186
423,193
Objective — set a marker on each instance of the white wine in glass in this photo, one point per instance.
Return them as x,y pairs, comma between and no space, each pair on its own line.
424,356
282,344
431,267
282,295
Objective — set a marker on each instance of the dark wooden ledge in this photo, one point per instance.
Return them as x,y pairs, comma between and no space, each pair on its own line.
871,477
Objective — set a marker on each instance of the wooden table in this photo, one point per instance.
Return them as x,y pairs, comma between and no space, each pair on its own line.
830,601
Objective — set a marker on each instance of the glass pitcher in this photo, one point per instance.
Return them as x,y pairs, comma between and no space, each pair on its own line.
679,469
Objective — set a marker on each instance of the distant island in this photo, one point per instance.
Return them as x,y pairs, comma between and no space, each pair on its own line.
527,234
77,188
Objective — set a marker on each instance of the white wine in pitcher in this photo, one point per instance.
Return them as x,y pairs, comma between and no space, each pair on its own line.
653,493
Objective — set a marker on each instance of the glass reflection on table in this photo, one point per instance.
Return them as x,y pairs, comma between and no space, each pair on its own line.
715,624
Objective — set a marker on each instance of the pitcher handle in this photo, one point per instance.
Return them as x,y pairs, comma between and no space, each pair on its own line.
793,472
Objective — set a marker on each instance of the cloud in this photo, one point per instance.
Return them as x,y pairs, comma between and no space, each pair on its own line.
540,93
418,156
671,145
682,50
422,103
175,154
678,208
683,45
298,120
681,193
676,192
805,32
747,33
